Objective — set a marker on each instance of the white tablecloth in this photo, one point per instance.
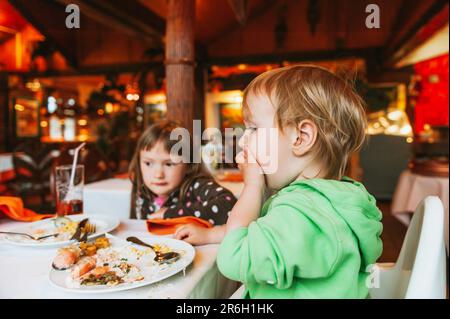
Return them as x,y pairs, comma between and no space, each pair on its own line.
113,196
24,273
412,189
6,162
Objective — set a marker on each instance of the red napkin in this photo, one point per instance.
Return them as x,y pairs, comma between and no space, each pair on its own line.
122,176
7,175
160,226
13,208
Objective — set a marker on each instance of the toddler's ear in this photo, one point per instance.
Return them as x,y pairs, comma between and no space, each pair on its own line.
304,137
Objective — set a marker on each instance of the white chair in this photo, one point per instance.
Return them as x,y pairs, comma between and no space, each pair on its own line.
238,294
420,270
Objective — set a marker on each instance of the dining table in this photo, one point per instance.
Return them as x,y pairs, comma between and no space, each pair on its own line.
24,272
411,189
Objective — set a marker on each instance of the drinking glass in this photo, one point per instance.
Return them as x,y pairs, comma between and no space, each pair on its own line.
69,199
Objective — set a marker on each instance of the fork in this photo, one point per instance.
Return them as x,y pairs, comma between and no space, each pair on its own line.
88,229
28,235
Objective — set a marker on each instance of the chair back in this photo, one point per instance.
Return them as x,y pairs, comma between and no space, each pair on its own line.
420,270
32,165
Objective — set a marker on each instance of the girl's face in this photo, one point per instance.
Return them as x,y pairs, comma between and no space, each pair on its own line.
271,147
161,175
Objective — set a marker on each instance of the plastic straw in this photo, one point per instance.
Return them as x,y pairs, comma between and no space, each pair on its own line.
74,165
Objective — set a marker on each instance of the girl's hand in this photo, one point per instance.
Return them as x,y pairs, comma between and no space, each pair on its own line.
251,170
159,213
193,234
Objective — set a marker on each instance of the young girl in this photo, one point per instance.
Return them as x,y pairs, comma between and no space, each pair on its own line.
166,187
318,234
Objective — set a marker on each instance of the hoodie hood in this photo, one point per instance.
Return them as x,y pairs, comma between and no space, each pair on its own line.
357,208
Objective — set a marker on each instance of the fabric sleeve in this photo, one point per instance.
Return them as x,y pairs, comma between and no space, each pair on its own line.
278,247
206,200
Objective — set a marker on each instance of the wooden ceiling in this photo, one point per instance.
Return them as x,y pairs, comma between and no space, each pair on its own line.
133,31
10,21
213,18
340,25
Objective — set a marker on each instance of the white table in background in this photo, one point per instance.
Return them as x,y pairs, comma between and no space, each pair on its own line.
412,189
108,197
24,273
113,196
6,166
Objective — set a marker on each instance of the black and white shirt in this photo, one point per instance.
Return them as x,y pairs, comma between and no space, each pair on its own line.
204,199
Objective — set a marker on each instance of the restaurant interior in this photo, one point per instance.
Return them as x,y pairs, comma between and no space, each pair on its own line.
127,65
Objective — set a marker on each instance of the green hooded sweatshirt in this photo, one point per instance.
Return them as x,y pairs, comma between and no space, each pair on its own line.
315,239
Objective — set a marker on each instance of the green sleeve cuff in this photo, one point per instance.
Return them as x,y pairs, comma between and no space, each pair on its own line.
230,254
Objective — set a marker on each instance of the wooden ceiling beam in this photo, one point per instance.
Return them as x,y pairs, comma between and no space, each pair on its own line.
415,35
48,17
132,19
294,56
92,70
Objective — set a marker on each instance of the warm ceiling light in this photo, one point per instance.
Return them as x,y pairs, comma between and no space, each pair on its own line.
19,107
242,66
109,107
395,115
34,86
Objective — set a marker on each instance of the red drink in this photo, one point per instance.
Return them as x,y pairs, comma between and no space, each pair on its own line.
71,207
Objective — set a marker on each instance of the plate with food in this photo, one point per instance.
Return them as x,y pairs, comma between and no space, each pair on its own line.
110,264
60,231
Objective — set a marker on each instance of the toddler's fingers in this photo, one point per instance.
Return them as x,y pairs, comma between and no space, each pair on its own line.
181,232
240,158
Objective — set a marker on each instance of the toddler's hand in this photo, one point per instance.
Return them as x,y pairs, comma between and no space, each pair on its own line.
194,235
250,168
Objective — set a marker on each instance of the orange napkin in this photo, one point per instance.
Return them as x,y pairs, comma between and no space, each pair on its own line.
231,177
160,226
13,208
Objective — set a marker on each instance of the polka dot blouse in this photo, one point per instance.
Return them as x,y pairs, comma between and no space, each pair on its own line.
205,199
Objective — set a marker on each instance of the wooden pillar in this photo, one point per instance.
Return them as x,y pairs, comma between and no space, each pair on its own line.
180,54
201,78
4,123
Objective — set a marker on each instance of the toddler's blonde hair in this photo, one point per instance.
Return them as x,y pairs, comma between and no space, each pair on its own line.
310,92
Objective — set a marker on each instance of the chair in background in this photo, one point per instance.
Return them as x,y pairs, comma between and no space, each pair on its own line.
420,271
33,163
238,294
96,166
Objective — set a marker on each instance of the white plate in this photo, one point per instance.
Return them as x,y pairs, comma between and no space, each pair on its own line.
152,274
103,223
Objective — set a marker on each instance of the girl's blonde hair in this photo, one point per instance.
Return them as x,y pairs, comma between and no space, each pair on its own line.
160,132
309,92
